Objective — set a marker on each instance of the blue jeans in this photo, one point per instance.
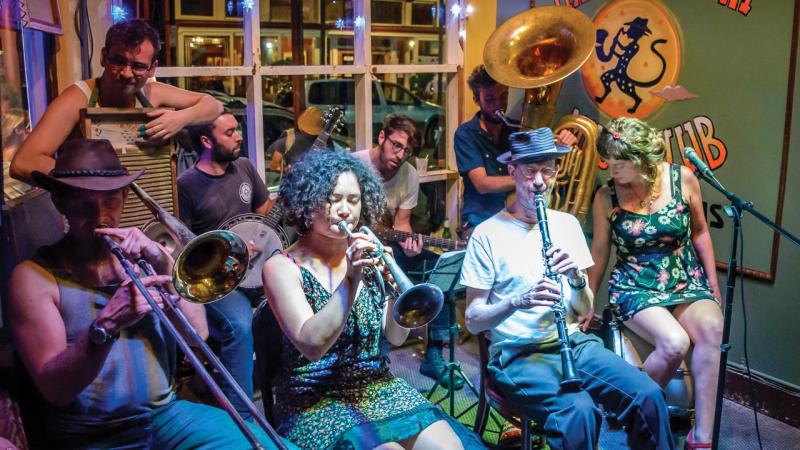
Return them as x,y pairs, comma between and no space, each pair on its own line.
230,325
187,425
529,379
179,424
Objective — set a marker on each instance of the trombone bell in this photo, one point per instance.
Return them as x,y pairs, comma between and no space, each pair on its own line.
210,266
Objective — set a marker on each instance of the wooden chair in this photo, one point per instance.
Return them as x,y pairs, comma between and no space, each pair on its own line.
489,399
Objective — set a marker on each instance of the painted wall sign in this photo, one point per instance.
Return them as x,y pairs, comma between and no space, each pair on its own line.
714,75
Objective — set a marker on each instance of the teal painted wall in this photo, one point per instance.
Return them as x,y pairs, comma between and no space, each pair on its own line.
738,66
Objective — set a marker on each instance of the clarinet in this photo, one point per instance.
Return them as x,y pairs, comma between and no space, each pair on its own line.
571,378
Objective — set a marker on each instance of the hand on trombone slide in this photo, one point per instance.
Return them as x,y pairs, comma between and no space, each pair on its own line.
136,245
127,305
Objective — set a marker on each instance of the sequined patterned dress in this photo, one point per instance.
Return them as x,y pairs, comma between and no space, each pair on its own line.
656,261
349,394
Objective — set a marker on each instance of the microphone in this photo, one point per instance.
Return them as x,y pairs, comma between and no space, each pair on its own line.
701,166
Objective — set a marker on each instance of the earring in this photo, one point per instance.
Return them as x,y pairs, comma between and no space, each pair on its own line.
66,223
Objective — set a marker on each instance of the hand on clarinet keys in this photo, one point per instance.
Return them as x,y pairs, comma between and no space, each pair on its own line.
545,292
561,262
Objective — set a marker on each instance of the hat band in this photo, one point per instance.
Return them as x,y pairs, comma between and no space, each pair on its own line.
89,173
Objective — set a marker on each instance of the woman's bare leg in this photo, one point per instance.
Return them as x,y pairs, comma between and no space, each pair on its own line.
657,326
703,321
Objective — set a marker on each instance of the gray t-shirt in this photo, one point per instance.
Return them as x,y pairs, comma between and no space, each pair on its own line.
205,201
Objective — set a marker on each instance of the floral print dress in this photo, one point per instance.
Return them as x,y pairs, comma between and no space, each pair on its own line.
656,261
349,395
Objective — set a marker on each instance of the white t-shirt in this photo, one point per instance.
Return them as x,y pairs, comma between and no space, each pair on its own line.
504,255
401,190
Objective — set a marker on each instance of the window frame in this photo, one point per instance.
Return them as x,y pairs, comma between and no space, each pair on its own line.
362,70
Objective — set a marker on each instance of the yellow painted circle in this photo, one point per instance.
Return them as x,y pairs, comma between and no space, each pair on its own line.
628,67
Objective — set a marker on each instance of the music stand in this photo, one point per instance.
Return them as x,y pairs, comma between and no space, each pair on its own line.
445,275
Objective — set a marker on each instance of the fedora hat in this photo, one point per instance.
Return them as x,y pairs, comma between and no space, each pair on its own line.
532,146
310,121
90,164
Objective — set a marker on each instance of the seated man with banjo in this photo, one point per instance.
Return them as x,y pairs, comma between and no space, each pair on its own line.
223,185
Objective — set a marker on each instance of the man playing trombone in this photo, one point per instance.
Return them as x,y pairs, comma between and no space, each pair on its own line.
509,294
103,364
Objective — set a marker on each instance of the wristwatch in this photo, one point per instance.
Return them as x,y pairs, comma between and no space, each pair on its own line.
99,335
580,284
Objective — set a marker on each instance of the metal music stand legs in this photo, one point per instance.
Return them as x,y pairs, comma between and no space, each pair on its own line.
445,275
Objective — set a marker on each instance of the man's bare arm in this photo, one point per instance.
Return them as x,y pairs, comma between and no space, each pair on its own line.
191,108
55,126
59,371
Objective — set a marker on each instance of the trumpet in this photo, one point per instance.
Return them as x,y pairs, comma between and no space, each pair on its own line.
570,375
415,305
209,267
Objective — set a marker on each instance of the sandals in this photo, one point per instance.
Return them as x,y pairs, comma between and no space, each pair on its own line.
689,445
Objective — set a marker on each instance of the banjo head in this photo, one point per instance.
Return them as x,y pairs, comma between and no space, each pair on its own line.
266,237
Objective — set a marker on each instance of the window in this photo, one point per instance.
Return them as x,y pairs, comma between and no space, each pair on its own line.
395,95
387,11
215,50
13,105
197,8
423,13
281,10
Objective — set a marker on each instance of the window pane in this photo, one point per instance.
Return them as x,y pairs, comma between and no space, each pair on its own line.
420,48
13,106
398,97
276,42
208,50
281,10
234,8
423,13
197,8
321,93
387,11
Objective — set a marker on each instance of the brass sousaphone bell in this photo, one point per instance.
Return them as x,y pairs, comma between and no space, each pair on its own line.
536,50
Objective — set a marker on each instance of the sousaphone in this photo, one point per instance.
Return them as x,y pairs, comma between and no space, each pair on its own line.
536,50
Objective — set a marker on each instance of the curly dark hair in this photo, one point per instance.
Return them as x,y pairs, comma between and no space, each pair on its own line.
305,188
480,78
131,33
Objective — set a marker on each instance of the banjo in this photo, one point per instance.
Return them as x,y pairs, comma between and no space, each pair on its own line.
267,235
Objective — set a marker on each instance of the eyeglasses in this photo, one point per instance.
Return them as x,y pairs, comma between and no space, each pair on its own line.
530,172
119,63
398,147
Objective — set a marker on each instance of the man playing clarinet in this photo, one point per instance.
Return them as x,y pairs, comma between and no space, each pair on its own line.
509,295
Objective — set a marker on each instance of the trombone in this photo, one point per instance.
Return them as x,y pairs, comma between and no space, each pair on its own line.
208,267
415,305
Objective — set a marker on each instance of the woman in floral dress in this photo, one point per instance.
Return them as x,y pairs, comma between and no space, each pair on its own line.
333,386
664,284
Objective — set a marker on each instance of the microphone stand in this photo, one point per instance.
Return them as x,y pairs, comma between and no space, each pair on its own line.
735,212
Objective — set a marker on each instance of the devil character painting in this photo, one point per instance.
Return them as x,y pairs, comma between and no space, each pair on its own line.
625,46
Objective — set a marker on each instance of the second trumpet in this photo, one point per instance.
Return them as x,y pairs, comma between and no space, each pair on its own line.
415,305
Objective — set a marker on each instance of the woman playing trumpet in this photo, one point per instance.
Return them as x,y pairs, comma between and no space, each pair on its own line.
333,386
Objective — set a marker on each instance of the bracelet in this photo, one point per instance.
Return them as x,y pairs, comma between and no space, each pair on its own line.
579,285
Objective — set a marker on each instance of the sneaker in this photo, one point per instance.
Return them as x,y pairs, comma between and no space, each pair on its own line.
432,365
